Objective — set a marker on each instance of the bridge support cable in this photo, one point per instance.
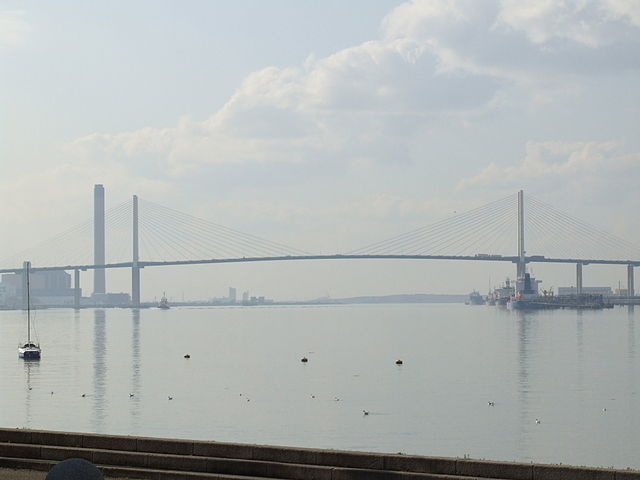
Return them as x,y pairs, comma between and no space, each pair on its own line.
550,238
176,243
450,236
580,239
480,234
208,234
181,237
73,246
463,234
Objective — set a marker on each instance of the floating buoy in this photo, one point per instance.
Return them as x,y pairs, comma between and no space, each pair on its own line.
187,356
304,359
399,362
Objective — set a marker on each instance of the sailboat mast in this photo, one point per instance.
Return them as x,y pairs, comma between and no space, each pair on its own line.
28,307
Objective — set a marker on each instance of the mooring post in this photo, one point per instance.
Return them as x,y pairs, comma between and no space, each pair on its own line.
135,269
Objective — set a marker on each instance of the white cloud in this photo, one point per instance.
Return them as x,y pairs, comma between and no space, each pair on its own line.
584,172
13,27
436,58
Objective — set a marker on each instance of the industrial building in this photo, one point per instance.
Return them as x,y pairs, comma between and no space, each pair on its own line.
50,288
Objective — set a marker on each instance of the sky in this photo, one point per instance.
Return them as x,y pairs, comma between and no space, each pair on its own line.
326,126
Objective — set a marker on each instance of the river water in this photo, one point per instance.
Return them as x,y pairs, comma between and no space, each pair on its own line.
576,373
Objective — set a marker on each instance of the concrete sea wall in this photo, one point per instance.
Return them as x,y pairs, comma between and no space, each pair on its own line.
168,459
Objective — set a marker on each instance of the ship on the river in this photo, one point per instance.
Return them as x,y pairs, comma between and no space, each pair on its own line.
527,297
475,298
501,295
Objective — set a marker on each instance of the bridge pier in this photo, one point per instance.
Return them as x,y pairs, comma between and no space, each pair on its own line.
579,278
630,286
135,286
76,289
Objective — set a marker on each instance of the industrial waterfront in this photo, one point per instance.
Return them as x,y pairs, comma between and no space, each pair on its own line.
563,384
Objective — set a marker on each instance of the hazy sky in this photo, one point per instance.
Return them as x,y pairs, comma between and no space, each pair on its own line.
322,125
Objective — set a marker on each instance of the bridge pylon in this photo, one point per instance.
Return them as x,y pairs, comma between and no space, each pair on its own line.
522,264
135,269
99,281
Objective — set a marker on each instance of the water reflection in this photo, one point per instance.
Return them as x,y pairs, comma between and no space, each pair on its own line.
524,334
99,369
30,367
580,348
135,369
631,346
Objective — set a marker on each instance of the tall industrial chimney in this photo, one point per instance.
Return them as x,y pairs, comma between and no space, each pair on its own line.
98,239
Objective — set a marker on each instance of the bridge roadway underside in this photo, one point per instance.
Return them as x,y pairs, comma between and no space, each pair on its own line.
475,258
164,459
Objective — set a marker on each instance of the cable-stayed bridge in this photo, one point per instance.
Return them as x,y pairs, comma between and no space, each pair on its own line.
139,234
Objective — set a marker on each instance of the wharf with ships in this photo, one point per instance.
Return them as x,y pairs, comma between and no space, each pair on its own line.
523,294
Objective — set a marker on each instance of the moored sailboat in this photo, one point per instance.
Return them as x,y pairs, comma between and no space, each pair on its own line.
29,350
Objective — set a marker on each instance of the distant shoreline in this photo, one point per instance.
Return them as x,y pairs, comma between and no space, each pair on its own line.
365,299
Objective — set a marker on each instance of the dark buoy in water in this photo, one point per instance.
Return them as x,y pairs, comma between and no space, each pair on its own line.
187,356
399,362
304,359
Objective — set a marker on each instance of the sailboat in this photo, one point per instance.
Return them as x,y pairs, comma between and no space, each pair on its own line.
30,350
164,303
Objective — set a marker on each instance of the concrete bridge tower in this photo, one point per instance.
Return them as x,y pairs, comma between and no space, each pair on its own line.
522,265
135,269
99,284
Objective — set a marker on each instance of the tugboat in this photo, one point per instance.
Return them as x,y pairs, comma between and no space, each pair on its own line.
164,303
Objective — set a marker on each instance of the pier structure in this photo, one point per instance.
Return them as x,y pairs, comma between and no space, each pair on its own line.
579,278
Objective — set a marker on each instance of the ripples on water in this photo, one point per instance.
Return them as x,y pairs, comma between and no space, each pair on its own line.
244,381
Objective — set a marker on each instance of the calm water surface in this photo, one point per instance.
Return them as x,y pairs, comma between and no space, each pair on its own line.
244,381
